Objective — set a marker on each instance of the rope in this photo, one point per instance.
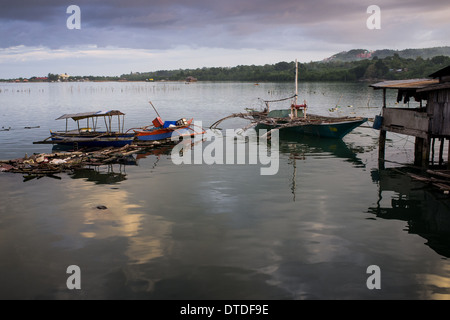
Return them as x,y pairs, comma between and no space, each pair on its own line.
280,99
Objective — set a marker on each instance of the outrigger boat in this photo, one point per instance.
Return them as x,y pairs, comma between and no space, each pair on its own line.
296,120
89,136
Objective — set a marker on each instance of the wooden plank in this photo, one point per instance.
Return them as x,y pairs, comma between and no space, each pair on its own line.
439,173
419,178
405,131
443,187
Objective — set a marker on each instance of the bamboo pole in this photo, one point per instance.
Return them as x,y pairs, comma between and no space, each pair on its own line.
154,109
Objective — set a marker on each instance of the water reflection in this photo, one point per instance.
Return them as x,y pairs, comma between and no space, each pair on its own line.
218,231
101,175
115,173
301,146
425,211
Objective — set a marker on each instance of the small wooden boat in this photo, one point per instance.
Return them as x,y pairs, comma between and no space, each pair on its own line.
296,120
89,136
314,125
166,130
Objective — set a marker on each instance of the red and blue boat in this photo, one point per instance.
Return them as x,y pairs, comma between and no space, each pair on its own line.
167,130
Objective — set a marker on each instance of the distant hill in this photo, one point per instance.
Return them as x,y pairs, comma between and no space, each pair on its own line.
362,54
353,65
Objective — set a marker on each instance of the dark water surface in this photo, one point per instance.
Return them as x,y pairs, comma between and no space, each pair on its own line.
217,231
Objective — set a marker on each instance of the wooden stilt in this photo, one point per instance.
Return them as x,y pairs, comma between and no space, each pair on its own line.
381,149
382,139
432,151
426,153
448,155
418,149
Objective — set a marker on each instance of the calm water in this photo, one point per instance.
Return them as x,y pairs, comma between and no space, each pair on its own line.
217,231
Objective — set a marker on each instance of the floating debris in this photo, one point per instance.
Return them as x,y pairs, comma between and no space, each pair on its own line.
48,164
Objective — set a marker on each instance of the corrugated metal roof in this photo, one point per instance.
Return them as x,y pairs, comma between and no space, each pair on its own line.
439,86
83,115
411,84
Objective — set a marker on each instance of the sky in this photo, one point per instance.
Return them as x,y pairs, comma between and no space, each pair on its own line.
114,37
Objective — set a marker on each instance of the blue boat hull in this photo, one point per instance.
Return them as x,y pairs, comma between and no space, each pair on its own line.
329,130
113,140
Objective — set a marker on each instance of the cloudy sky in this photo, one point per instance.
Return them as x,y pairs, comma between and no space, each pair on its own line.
118,36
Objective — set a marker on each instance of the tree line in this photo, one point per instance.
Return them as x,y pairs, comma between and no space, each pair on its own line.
389,68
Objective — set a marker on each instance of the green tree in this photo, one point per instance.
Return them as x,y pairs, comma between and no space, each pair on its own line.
52,77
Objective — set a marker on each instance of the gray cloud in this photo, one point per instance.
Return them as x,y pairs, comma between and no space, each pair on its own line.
233,24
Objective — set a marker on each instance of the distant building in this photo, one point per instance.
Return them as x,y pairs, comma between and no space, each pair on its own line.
63,77
191,79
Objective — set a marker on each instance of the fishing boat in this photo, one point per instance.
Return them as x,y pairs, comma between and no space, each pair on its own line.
89,135
166,130
297,120
314,125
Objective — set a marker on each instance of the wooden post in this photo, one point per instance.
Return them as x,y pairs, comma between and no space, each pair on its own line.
448,155
422,152
382,139
432,151
418,150
426,152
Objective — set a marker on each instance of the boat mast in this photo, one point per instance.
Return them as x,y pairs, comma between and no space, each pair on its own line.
296,89
294,105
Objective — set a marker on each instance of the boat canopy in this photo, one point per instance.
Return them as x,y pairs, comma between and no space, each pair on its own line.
84,115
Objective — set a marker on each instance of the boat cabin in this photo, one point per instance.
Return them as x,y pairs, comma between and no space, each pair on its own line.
92,121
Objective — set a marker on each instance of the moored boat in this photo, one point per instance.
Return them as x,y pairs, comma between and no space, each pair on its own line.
314,125
166,130
297,120
90,136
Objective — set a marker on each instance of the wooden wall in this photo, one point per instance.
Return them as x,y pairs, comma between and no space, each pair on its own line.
438,110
